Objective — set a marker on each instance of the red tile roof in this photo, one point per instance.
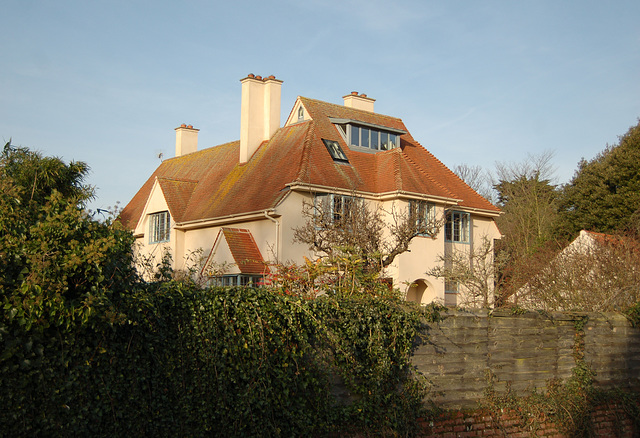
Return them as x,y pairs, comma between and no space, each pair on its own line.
211,183
244,250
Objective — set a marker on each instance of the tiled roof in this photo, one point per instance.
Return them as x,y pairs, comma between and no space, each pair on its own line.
211,183
244,250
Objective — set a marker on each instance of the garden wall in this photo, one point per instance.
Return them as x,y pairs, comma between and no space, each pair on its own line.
526,350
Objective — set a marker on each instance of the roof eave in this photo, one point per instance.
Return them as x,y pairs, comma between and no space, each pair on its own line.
223,220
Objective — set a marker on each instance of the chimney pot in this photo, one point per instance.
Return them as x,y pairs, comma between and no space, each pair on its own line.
363,95
183,125
259,77
251,75
355,93
272,77
190,126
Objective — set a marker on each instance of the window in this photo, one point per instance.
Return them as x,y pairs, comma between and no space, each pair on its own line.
456,227
368,135
159,227
424,214
335,150
371,138
237,280
300,114
335,208
450,293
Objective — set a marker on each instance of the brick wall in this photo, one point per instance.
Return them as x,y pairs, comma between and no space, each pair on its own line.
608,421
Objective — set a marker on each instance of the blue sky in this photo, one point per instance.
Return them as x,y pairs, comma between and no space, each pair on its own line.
106,82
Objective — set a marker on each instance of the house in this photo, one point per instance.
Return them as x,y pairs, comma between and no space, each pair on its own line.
594,272
239,202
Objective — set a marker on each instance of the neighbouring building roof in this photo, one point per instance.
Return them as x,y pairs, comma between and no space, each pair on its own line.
212,183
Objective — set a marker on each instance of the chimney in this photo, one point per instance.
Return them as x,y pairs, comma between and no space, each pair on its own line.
259,114
358,101
186,140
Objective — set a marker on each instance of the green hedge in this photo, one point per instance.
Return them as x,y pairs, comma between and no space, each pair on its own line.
174,360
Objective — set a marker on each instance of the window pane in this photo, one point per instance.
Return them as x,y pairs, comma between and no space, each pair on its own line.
364,137
393,141
374,139
384,141
355,135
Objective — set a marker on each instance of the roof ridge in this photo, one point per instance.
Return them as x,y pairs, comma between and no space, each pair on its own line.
348,108
166,178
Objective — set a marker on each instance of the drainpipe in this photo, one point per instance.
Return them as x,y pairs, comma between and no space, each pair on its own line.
275,221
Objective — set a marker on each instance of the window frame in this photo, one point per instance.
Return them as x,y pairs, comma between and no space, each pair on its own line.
236,280
159,227
333,205
425,215
335,150
457,227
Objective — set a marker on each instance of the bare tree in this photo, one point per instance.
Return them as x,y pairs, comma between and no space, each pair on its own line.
471,273
358,239
595,275
478,179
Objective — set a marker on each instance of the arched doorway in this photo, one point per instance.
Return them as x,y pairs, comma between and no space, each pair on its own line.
421,291
416,291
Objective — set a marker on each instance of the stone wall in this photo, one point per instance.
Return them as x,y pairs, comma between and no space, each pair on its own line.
526,350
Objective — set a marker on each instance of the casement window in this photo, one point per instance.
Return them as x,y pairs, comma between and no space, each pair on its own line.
159,227
335,208
450,293
456,227
424,215
237,280
360,134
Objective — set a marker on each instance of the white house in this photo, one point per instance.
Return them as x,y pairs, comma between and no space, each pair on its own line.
240,202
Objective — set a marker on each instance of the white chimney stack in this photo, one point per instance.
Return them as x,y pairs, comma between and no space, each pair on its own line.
259,114
358,101
186,140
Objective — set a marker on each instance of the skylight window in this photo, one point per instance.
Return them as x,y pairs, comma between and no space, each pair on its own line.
335,150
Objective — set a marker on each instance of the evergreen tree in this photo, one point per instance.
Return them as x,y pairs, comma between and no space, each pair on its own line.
604,194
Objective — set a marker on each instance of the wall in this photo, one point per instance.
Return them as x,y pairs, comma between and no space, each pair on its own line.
527,350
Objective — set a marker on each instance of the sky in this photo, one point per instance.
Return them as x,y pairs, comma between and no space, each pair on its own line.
476,83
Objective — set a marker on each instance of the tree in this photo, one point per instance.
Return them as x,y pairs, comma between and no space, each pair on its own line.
528,201
55,260
604,193
476,178
39,176
472,274
596,273
354,241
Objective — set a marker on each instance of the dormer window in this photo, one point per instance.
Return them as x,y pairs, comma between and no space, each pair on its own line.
368,136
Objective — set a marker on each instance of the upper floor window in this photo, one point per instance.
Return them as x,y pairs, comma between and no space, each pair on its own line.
335,209
424,215
456,227
159,227
372,138
367,135
300,114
